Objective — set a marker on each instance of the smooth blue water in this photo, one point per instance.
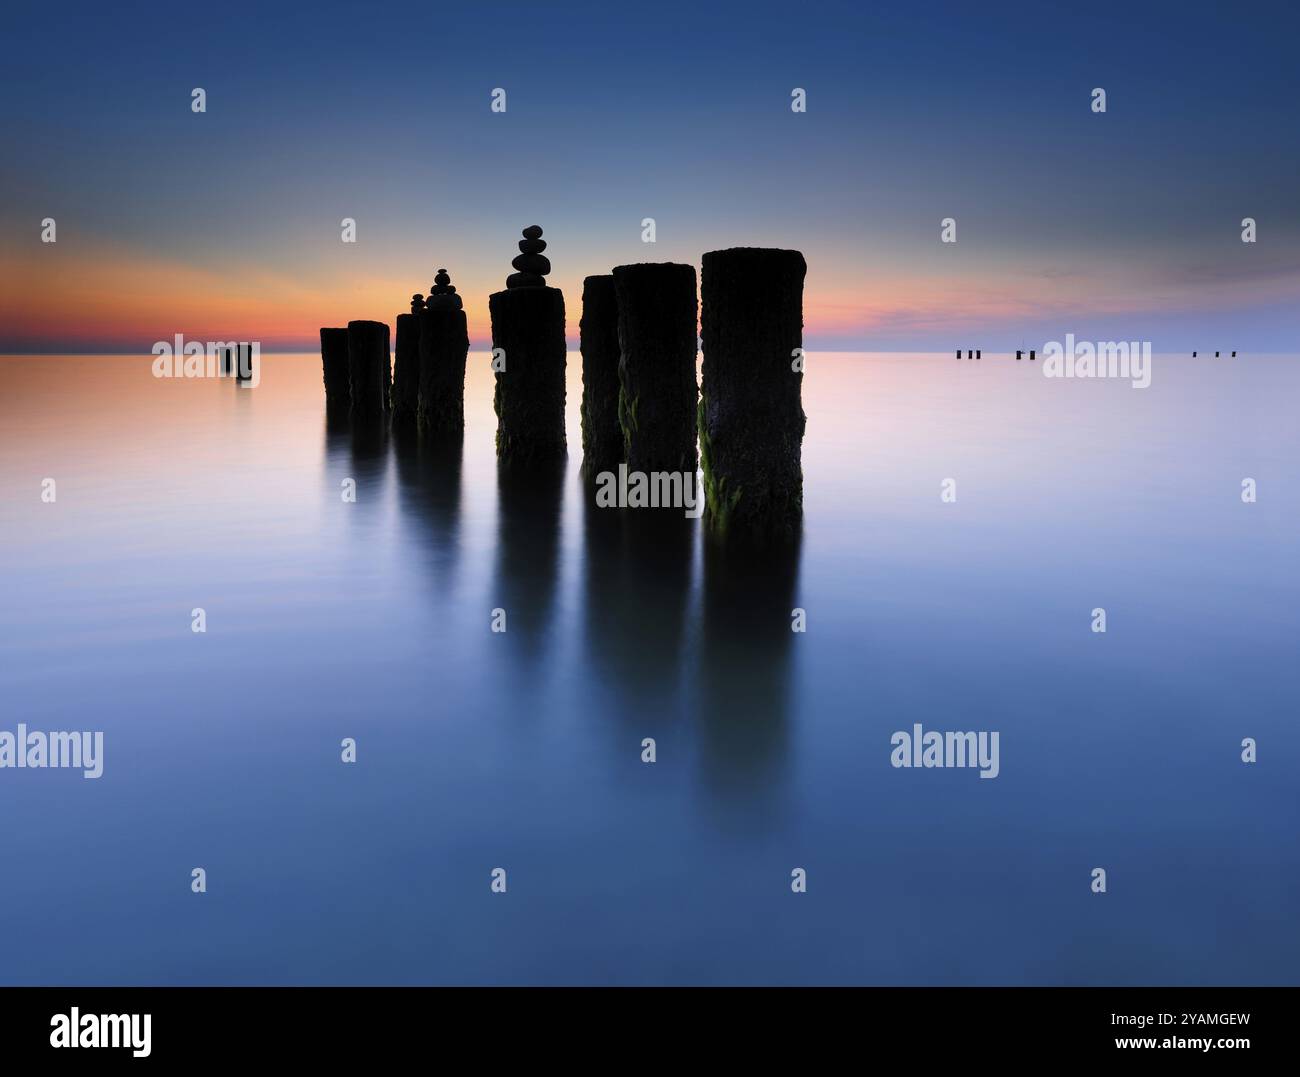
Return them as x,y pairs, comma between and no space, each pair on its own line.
522,750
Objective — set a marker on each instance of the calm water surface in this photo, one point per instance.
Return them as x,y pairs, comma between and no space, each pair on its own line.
522,750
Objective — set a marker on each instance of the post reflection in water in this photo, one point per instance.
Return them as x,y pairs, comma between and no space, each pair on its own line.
429,491
744,678
530,498
637,583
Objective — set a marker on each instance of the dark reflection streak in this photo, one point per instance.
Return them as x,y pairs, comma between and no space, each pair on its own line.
636,592
529,502
745,668
429,489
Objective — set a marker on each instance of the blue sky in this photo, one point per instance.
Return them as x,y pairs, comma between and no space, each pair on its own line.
1117,226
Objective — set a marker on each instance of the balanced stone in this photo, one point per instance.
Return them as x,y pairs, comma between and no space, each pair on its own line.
658,396
334,362
602,438
443,346
368,371
751,412
532,246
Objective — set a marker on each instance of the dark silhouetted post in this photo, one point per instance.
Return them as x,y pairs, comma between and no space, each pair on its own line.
1031,355
444,345
1017,355
406,364
244,362
367,366
528,357
751,413
602,439
658,397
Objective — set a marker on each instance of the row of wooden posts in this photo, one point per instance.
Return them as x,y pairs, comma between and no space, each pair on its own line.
641,405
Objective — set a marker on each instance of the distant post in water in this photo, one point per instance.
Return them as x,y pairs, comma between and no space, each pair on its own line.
368,369
406,364
444,345
334,361
244,362
602,439
658,396
751,410
528,356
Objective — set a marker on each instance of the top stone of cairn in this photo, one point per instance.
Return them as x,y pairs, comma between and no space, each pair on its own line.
531,265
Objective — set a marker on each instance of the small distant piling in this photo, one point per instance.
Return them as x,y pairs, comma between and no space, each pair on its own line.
1018,356
1031,355
406,364
657,335
958,353
244,362
529,357
751,413
368,374
602,439
978,353
443,348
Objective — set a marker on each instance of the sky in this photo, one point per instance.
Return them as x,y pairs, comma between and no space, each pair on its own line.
1122,225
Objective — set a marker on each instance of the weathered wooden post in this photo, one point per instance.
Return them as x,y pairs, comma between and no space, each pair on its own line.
751,413
658,397
528,357
602,439
406,364
367,367
334,362
444,345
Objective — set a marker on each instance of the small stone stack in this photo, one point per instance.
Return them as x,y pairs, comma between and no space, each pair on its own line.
531,264
529,357
368,371
444,344
657,341
602,439
406,364
751,414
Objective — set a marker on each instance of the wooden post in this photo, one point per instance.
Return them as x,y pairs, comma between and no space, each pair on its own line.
751,413
602,439
658,397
